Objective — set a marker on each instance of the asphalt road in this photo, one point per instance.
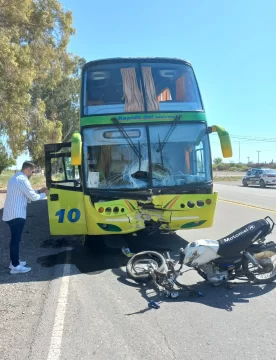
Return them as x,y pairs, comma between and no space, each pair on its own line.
253,195
76,305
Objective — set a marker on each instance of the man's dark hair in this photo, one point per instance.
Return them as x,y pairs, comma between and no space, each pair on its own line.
28,165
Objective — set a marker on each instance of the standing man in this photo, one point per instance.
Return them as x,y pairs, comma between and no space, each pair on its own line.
19,193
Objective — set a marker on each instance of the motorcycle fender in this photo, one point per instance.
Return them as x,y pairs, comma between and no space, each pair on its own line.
258,248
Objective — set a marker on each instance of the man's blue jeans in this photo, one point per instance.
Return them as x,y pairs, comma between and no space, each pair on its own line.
16,226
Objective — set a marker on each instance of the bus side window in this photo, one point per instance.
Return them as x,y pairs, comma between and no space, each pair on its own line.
200,159
57,170
71,172
63,173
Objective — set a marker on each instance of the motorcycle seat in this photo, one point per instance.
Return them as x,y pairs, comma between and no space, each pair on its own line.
242,238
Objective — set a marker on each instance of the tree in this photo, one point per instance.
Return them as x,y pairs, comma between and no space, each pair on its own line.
5,160
62,103
33,63
55,115
217,161
41,131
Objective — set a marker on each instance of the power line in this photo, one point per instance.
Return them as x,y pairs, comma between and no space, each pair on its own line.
250,137
245,145
252,140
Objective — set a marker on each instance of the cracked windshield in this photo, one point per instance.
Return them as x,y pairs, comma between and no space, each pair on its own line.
177,156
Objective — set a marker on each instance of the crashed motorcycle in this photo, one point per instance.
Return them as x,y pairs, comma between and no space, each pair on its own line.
244,254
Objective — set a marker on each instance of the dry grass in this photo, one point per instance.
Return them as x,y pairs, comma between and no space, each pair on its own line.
228,178
36,180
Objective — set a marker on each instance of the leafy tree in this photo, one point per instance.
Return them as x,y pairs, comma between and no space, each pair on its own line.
63,101
217,161
55,115
5,160
34,68
41,131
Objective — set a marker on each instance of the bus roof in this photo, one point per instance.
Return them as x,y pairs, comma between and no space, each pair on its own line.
136,59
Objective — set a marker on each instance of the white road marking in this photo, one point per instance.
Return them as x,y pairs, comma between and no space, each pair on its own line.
56,339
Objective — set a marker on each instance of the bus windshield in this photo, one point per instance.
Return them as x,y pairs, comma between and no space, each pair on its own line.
139,87
111,162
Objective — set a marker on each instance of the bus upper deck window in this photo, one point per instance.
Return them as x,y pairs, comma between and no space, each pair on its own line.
151,98
132,94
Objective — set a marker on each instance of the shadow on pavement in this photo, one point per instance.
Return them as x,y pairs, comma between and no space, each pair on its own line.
216,297
91,263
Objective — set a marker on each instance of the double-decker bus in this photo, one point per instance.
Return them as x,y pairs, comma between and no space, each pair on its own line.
141,160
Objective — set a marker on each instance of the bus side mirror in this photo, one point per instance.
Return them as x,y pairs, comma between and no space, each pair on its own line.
224,138
76,147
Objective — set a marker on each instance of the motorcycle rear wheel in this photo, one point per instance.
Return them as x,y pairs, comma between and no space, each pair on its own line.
145,258
268,274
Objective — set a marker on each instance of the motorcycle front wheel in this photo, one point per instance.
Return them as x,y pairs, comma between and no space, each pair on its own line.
137,266
265,275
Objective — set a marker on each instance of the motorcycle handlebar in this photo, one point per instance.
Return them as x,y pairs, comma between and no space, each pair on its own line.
272,223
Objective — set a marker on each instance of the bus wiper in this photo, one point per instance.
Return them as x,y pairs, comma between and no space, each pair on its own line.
161,150
173,126
140,157
128,139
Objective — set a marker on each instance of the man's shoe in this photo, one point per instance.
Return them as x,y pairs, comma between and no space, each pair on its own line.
23,263
19,269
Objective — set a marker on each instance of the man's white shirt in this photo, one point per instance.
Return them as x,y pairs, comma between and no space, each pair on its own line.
19,193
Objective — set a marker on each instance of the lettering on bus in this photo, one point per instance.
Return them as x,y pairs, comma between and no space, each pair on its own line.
145,117
73,215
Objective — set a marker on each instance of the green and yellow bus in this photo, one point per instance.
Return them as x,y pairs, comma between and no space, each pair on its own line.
141,160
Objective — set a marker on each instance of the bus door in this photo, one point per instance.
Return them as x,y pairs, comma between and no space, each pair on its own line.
65,201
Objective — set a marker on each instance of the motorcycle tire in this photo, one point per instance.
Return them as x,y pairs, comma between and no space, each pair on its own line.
262,277
146,256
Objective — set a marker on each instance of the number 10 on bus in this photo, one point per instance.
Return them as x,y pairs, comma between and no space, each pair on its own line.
73,215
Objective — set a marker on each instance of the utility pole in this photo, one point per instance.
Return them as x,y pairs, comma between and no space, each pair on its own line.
239,152
248,157
258,151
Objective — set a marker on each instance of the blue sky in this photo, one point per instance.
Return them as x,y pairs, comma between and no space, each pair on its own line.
230,43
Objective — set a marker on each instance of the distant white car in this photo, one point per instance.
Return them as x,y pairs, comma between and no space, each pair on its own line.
260,177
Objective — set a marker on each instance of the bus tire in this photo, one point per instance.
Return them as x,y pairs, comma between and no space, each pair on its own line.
94,242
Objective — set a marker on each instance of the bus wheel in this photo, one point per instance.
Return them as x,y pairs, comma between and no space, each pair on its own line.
95,242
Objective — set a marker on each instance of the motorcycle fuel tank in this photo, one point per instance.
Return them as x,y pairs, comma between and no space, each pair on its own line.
201,252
